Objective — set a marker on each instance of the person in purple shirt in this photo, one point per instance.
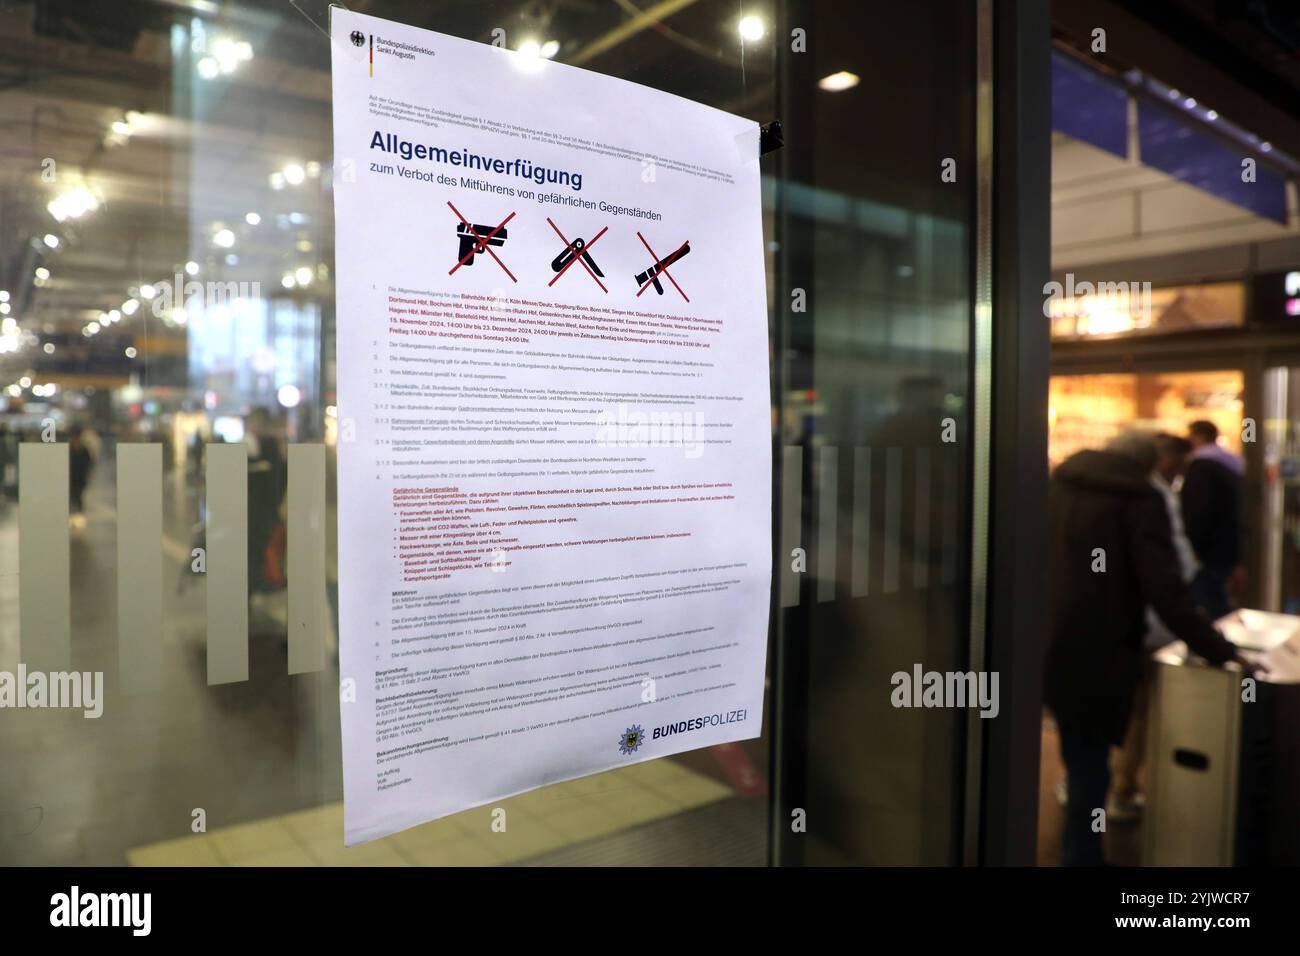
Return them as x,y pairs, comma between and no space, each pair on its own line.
1212,504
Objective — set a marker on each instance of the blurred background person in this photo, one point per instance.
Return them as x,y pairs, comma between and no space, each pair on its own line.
8,463
94,444
1127,800
267,477
1212,506
80,464
1110,554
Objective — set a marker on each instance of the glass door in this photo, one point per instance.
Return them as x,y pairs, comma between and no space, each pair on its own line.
874,337
165,146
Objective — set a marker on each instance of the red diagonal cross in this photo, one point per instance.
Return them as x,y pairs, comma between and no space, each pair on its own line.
663,270
482,244
577,256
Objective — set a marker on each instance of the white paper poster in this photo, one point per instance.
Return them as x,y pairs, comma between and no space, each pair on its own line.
554,430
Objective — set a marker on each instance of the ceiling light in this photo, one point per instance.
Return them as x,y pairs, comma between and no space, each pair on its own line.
92,328
129,351
528,57
42,272
550,48
303,275
294,174
838,82
289,396
52,240
48,348
226,54
287,280
277,180
114,315
24,382
224,238
72,204
751,28
4,308
252,218
229,53
148,291
209,68
192,268
129,307
4,296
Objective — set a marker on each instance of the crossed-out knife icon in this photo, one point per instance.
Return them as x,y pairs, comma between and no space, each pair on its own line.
579,248
652,274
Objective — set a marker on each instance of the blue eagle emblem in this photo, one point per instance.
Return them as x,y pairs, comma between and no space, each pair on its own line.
631,739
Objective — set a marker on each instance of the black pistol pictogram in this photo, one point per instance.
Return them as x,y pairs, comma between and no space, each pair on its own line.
470,245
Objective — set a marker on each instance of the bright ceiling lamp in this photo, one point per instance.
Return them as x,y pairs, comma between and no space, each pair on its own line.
838,82
225,57
751,28
528,58
72,204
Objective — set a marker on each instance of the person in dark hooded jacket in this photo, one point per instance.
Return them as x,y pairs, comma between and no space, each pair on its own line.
1211,501
1110,556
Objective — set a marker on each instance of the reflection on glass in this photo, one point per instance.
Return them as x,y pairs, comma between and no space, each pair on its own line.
166,278
875,377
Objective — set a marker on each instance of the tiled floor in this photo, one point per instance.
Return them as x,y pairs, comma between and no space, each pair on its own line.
724,833
536,823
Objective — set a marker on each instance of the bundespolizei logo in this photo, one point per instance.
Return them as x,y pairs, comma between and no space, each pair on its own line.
631,739
358,38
